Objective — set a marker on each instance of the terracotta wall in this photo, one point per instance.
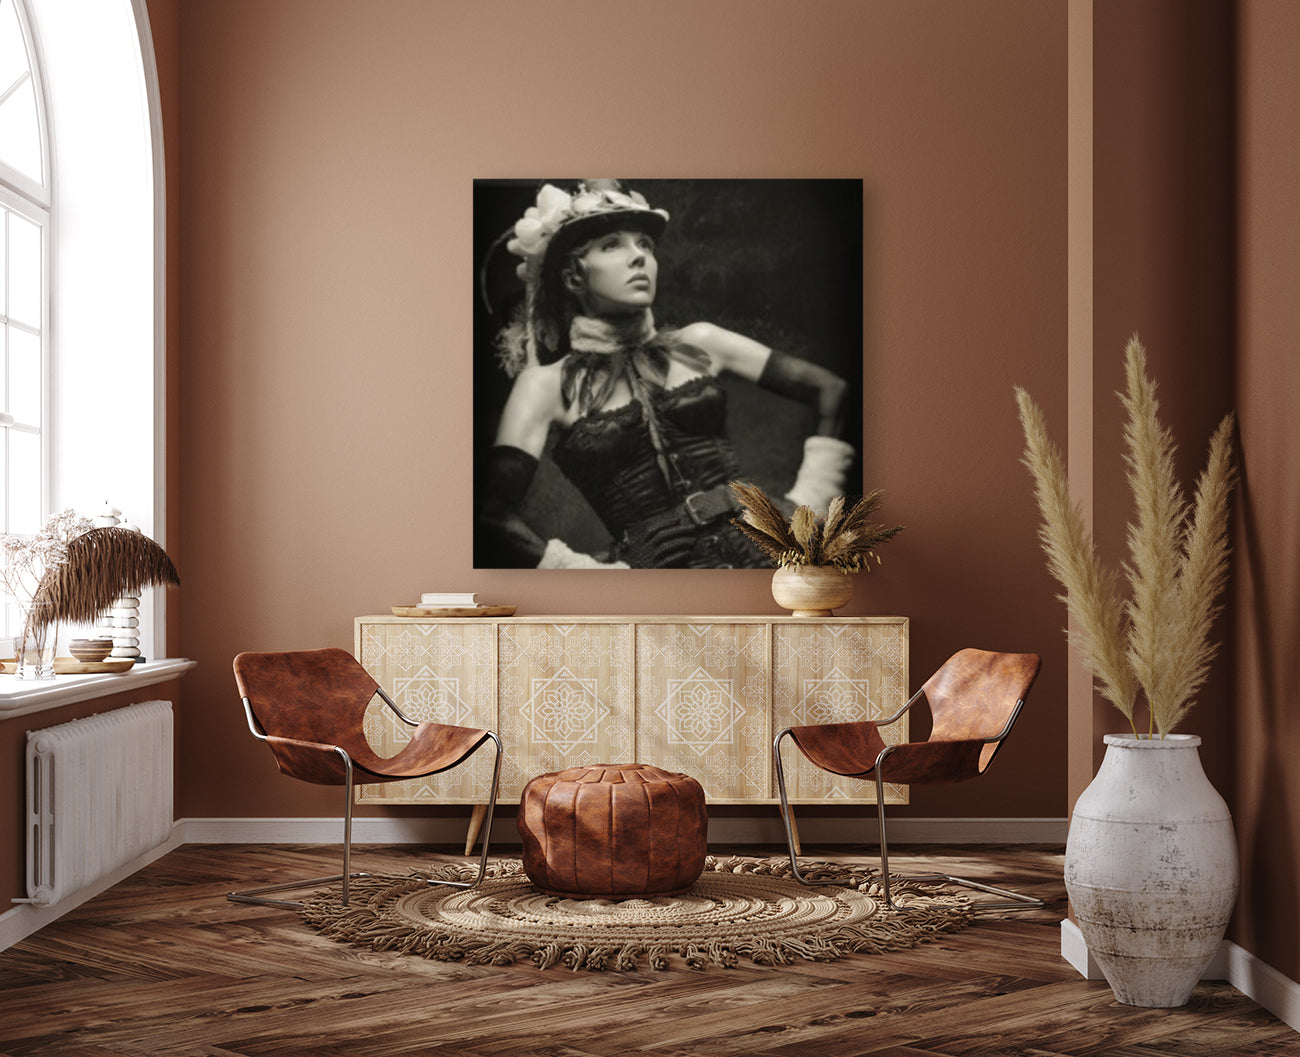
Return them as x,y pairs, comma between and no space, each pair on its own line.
326,168
1163,268
1267,802
164,26
1196,235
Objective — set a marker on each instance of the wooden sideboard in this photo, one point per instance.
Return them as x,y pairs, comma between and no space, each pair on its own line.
700,695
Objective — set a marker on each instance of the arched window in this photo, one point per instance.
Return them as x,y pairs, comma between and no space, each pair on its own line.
82,189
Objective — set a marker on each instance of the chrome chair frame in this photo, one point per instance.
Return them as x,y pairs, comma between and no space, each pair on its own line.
1012,900
257,895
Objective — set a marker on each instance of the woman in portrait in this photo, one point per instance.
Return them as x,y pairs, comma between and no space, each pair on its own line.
632,414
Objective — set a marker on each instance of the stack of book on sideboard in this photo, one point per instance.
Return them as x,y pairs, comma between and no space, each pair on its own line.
450,600
453,604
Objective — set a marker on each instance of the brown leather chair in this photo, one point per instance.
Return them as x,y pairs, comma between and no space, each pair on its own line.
308,707
974,700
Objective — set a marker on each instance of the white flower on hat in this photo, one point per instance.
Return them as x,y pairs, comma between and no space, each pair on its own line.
551,200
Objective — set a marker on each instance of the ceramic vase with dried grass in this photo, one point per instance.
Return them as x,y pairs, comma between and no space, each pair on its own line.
811,590
815,556
1151,861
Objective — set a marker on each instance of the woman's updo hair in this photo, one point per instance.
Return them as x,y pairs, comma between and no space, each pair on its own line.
554,303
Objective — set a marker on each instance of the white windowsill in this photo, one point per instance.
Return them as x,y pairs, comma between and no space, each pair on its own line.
19,697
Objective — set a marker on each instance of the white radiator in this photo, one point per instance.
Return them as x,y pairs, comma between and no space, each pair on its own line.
99,794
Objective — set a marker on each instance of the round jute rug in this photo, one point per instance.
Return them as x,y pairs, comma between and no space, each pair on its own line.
739,908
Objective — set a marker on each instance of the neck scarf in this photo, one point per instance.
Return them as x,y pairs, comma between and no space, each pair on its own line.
612,334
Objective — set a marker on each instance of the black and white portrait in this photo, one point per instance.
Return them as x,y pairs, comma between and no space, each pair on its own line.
639,344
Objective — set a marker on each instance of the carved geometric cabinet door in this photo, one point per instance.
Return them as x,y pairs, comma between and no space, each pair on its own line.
702,693
570,692
837,673
440,673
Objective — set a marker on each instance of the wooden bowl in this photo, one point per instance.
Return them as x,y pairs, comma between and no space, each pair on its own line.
90,651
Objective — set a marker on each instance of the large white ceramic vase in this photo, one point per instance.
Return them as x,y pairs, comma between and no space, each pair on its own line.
1151,868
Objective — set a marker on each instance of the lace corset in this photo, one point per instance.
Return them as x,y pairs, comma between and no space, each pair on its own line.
609,457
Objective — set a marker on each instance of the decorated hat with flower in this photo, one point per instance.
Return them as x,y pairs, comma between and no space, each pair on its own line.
560,220
542,239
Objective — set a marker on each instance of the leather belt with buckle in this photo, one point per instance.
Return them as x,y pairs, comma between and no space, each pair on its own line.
704,507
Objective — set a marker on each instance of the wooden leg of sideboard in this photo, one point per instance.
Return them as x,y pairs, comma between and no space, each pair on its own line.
476,818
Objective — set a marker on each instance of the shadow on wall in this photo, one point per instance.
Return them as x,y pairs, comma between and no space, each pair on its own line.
1268,836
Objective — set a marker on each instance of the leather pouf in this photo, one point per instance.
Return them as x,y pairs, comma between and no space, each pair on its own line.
613,831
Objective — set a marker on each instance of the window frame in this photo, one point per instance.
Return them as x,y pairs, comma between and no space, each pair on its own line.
33,200
37,191
43,219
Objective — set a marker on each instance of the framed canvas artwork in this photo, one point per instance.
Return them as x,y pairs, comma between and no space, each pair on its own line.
639,344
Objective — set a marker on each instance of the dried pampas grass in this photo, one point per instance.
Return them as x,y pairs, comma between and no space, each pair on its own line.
1157,640
846,538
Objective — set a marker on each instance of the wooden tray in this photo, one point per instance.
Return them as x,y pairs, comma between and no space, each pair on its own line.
72,666
453,611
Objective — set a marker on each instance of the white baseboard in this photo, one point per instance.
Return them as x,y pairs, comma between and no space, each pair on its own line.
758,830
1259,981
1279,994
23,919
1074,949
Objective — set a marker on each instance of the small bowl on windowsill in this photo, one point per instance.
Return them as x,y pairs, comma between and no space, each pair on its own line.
90,651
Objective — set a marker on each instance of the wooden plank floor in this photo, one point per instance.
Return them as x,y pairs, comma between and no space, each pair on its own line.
163,964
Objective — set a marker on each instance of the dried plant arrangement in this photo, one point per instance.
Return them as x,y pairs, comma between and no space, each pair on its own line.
845,538
1156,640
99,566
71,571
